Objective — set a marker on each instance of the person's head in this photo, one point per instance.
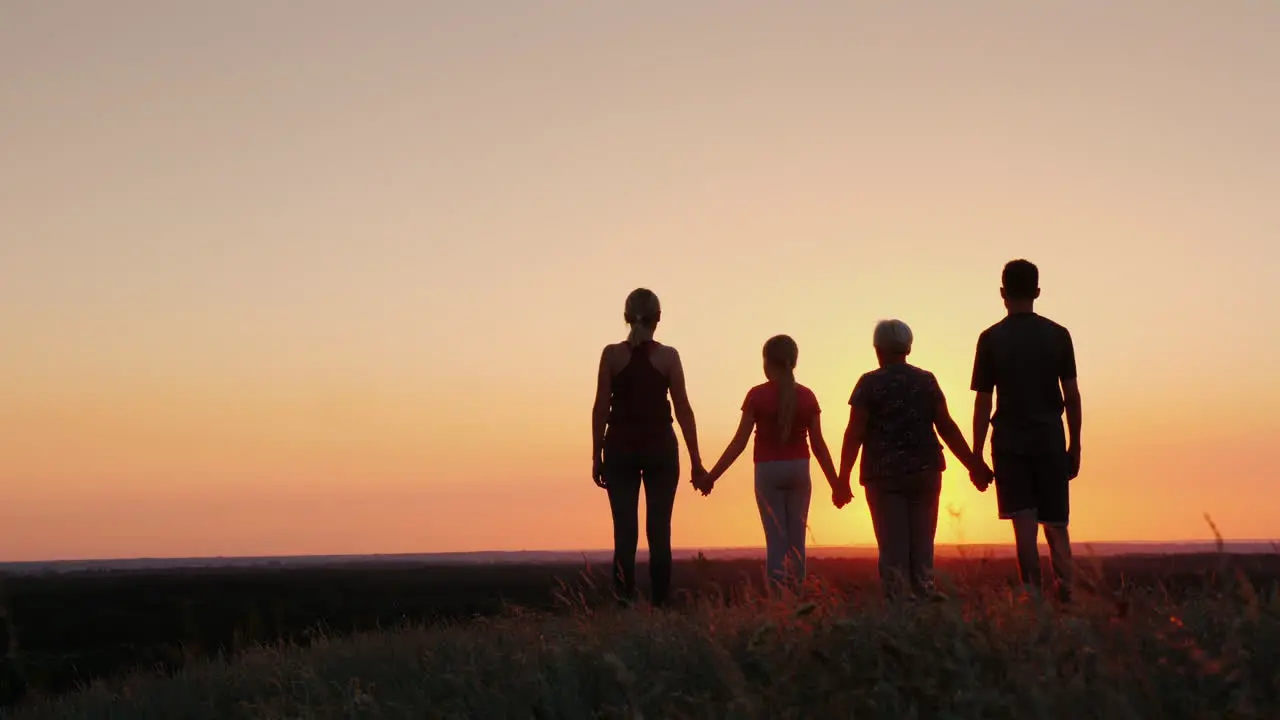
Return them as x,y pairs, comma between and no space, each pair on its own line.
642,312
892,340
1020,285
780,356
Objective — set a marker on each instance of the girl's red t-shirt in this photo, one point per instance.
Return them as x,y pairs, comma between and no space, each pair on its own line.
762,403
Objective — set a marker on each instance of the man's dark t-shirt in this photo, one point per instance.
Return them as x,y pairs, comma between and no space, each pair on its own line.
1022,359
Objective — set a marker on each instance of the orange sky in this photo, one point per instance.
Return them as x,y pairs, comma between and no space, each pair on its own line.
336,281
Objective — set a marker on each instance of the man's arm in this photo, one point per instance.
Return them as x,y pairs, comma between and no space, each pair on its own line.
981,421
984,384
1071,402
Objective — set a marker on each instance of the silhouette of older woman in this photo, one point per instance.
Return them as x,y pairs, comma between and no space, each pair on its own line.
894,412
634,443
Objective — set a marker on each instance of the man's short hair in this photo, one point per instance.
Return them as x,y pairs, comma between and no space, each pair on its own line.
1021,279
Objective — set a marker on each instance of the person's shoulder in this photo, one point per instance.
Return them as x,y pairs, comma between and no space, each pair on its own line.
923,374
663,357
870,378
871,375
756,392
1055,326
805,392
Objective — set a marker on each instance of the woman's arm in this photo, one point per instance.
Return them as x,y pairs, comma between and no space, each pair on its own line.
600,416
950,433
820,451
736,446
684,411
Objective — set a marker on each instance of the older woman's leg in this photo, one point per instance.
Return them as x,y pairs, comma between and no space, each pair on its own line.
924,529
891,521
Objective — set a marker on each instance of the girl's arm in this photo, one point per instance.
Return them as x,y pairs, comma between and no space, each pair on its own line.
820,451
736,446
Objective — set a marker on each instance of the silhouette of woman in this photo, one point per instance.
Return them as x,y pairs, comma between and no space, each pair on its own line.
634,443
896,414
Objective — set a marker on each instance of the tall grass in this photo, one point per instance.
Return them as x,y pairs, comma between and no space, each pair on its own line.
985,653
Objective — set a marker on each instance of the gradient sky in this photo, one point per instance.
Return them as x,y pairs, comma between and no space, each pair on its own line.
333,277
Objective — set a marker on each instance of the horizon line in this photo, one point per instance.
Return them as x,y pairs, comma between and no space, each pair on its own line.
597,551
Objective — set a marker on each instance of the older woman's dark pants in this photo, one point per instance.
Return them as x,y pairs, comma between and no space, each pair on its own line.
904,514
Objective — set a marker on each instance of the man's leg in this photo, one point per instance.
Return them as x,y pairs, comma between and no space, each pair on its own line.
890,519
1062,562
622,478
1016,497
661,480
1054,502
1026,536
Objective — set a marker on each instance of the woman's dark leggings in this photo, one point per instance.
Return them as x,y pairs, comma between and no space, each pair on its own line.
659,472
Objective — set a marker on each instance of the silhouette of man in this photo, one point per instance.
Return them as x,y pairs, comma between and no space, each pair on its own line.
1029,362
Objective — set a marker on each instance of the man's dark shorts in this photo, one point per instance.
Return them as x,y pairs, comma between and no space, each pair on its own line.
1038,482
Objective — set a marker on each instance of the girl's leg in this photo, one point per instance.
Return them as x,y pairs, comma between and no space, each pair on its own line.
799,494
771,501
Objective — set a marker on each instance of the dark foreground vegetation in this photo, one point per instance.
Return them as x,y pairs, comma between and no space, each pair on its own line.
1175,636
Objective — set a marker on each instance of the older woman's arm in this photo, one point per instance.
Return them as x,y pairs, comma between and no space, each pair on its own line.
951,435
853,434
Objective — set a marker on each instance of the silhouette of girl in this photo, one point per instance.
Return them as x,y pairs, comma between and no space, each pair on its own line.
783,412
635,444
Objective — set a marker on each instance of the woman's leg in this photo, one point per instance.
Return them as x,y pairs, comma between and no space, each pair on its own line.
771,501
890,521
798,495
622,479
924,531
661,480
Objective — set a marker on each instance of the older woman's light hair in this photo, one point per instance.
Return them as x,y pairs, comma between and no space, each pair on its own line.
892,336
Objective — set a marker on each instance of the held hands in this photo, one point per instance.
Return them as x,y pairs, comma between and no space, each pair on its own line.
841,493
702,480
981,476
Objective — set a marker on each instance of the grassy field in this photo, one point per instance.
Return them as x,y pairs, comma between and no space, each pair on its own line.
1172,637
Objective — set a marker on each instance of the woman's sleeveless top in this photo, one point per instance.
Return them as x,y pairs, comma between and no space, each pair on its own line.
639,411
